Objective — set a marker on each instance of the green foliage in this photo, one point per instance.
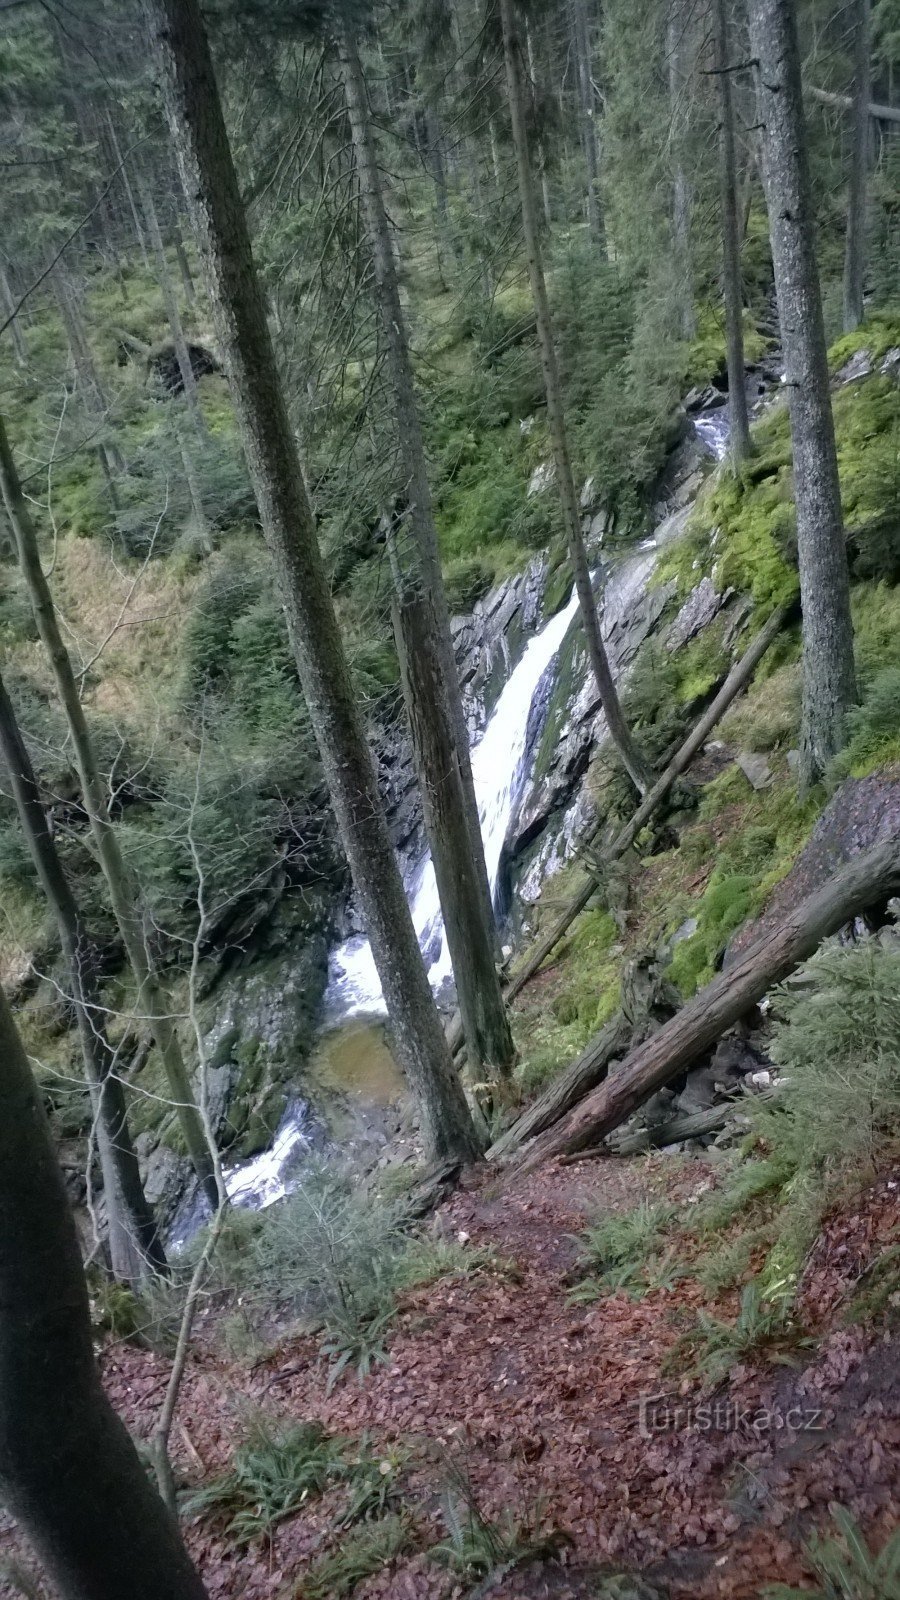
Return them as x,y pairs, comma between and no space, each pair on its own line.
476,1547
846,1567
466,581
624,1251
873,728
727,903
707,356
362,1553
838,1041
759,1327
748,1182
276,1469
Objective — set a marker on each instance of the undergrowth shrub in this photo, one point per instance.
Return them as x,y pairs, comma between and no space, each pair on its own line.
275,1470
361,1553
873,728
626,1251
846,1567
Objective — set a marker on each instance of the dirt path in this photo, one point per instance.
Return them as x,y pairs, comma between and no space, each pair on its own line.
538,1403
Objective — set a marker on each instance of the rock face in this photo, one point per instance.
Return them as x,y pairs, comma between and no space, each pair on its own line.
864,812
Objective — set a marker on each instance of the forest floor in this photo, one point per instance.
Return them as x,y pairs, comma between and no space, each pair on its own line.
532,1406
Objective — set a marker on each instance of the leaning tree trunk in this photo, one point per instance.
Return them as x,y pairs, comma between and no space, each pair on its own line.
123,892
69,1471
456,843
619,731
210,182
14,329
739,421
485,1024
868,879
855,249
829,680
134,1242
93,395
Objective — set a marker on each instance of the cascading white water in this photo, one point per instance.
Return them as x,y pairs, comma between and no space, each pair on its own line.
497,769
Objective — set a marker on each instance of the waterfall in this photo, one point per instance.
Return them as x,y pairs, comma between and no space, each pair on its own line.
498,772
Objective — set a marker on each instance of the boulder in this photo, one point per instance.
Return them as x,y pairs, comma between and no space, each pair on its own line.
864,812
700,608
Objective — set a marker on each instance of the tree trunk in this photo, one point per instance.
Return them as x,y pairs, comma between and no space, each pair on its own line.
867,879
409,432
484,1020
69,1471
111,460
588,121
619,732
855,251
829,680
567,1090
843,102
173,315
739,421
184,266
210,182
681,193
134,1242
123,892
14,329
542,149
129,192
737,680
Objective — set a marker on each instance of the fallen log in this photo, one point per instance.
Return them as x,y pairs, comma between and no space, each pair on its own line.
864,881
690,1125
568,1089
737,679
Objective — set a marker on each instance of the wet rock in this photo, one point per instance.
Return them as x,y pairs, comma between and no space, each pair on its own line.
891,362
702,605
541,478
733,1057
755,768
864,812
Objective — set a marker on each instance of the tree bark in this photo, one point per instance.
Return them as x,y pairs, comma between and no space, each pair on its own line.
855,249
110,457
867,879
123,892
14,329
210,182
129,192
739,421
69,1472
829,679
485,1024
737,680
134,1242
567,1090
619,731
408,424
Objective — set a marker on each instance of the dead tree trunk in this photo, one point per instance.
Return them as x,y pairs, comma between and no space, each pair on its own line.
123,891
485,1024
567,1090
134,1242
869,878
737,680
855,249
210,182
739,421
588,121
829,679
619,732
69,1471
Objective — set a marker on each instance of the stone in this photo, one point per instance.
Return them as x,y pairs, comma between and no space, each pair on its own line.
701,606
891,362
586,498
859,366
541,478
755,768
863,813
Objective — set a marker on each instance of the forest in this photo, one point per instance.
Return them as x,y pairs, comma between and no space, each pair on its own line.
450,799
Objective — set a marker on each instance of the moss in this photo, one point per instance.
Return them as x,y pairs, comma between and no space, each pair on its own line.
725,905
707,356
878,334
